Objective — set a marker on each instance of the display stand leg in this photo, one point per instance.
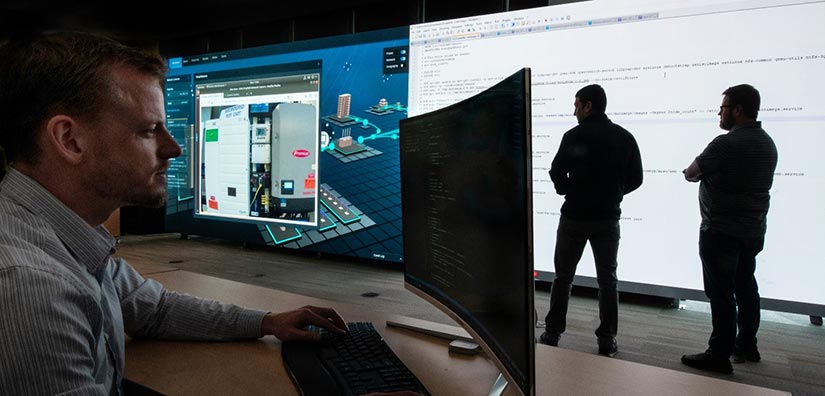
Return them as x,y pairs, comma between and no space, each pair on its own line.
498,387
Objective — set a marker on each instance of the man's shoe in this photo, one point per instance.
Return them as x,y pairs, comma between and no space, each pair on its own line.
608,348
746,356
706,361
549,339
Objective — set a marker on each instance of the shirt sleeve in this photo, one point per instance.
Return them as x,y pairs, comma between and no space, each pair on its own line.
151,311
710,160
634,176
50,352
561,166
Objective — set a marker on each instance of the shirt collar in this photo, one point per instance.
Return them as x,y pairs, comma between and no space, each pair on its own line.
91,246
747,125
595,117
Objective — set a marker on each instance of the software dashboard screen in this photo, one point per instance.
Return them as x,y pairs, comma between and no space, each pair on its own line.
664,66
294,145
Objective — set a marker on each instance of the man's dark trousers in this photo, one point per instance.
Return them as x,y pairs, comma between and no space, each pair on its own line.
571,238
728,268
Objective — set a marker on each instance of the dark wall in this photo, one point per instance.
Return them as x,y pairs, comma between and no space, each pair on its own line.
362,16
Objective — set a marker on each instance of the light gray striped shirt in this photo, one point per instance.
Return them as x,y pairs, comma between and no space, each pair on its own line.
65,302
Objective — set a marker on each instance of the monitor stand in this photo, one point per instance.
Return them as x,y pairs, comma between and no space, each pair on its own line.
498,387
438,330
448,332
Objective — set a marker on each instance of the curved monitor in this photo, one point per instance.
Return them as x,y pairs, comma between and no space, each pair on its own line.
466,177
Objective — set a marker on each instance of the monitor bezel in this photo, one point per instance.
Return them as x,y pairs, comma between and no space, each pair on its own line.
288,69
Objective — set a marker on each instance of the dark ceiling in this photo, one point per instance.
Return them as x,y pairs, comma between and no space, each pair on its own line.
155,19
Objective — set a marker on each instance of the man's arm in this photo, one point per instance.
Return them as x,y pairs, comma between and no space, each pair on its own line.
151,311
560,168
709,161
289,326
634,175
692,173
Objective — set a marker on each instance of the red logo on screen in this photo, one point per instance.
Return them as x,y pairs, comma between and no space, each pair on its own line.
301,153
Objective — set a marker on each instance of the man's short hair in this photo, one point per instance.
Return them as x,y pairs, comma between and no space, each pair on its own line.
593,93
745,96
45,74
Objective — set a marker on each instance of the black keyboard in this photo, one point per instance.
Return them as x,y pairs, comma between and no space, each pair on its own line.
357,363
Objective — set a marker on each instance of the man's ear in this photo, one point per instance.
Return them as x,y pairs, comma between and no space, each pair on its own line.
738,114
62,134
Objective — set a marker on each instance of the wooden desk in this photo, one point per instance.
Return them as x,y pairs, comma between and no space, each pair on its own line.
255,367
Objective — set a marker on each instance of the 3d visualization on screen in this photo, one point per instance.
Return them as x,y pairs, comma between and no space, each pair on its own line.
466,177
664,66
293,145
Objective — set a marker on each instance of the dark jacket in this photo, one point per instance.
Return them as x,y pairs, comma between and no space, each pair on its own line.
598,162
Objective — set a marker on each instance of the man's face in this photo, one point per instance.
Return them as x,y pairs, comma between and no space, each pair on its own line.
726,119
581,110
131,148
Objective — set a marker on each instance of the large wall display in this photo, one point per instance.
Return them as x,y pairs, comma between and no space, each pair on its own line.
292,145
664,66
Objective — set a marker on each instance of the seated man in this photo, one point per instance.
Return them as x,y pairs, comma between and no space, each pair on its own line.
84,133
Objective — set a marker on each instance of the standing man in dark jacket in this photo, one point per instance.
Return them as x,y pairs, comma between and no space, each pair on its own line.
598,162
735,172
